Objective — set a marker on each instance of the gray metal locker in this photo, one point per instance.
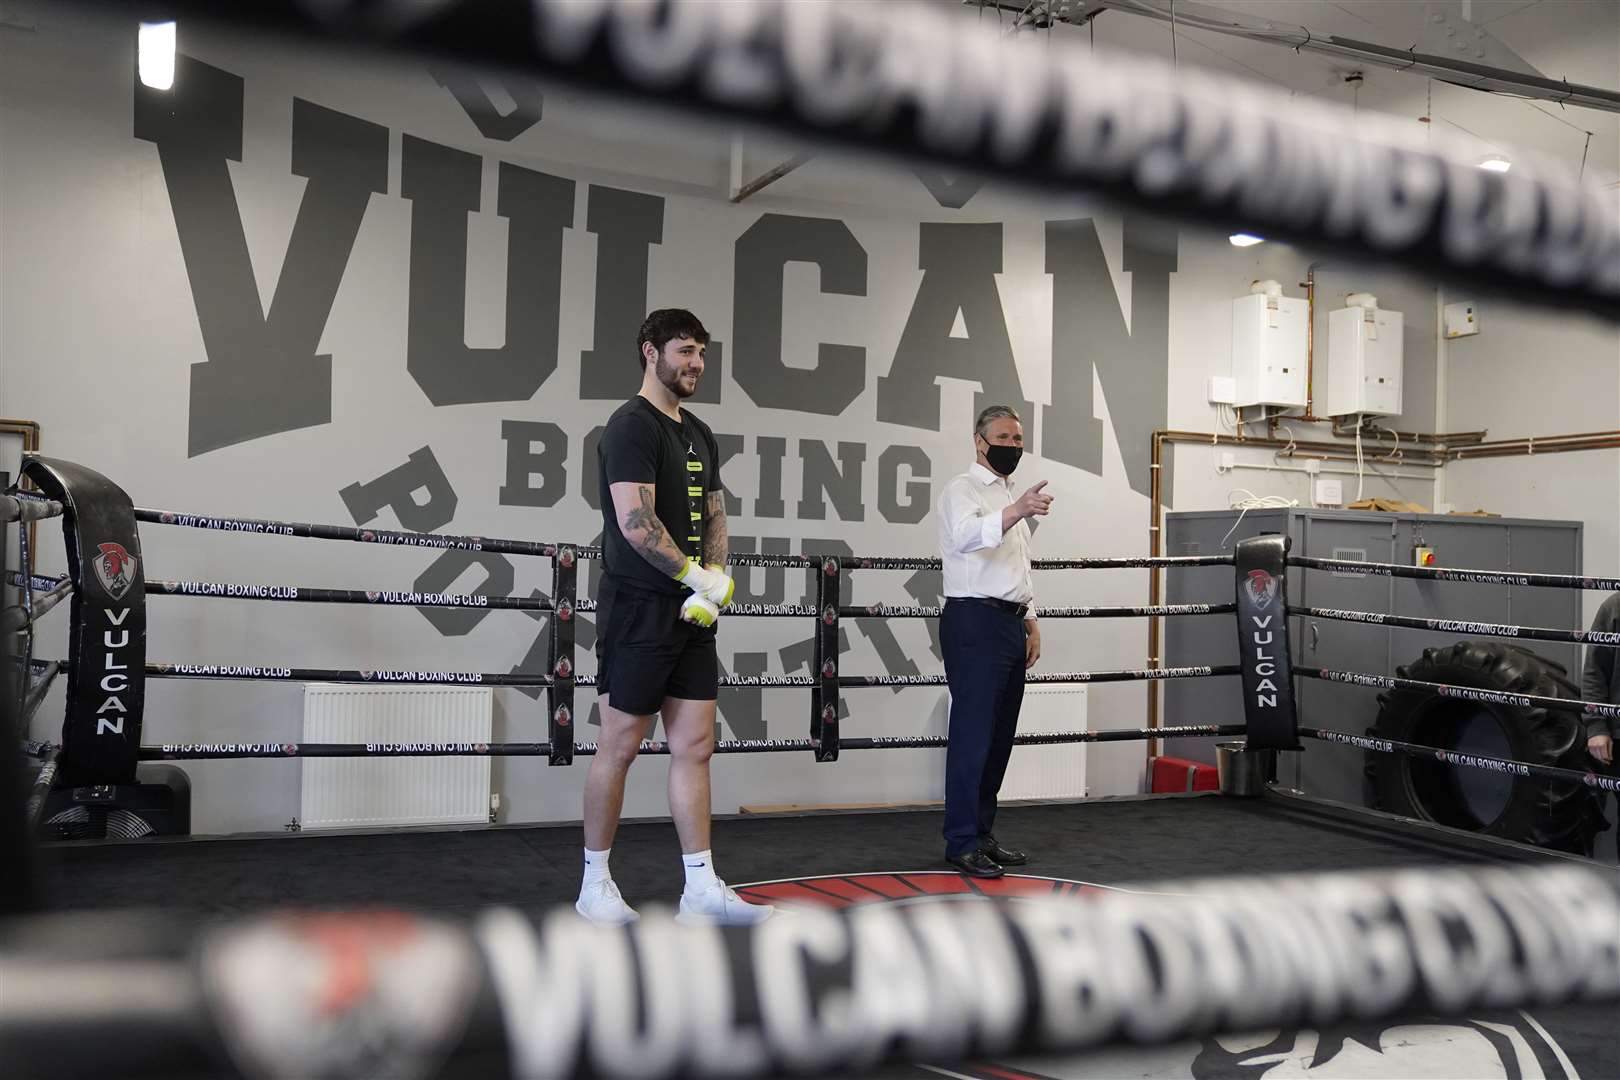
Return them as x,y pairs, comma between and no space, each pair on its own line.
1335,772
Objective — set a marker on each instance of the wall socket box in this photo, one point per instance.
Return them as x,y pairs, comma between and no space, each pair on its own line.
1329,493
1462,320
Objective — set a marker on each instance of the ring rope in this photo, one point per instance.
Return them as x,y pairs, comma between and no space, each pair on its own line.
257,673
36,693
886,611
1466,693
37,582
347,532
1432,573
1058,975
1207,148
23,508
215,590
1457,757
254,673
1508,630
18,617
549,549
422,748
41,788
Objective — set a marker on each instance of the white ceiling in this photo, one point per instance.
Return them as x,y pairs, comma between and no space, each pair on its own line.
1574,39
1578,40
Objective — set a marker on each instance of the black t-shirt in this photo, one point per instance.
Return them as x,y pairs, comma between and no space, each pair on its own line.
641,445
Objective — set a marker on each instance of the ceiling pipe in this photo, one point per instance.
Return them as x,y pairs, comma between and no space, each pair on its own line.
1188,14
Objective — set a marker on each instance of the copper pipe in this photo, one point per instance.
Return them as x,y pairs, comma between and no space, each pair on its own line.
1446,438
1540,440
1531,447
1310,345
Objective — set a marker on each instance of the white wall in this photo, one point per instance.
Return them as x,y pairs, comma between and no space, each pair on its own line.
1531,372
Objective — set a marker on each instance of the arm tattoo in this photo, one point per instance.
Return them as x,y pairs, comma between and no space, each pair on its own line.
648,536
716,539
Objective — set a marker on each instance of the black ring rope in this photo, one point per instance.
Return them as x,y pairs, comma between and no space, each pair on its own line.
24,508
40,687
357,535
1433,573
1455,626
1456,757
887,611
655,747
36,582
302,594
1464,693
548,549
1043,133
17,617
1073,973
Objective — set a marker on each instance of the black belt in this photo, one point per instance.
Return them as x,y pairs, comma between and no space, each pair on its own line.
1009,606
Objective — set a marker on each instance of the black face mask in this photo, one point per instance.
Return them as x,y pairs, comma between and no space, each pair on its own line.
1003,459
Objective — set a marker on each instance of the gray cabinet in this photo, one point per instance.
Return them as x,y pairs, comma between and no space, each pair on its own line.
1335,772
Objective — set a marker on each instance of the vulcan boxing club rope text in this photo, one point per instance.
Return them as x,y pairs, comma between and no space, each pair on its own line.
816,990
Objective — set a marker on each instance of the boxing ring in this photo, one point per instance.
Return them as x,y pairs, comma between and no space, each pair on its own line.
268,956
496,939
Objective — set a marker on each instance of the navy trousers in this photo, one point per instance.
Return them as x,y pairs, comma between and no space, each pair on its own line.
984,667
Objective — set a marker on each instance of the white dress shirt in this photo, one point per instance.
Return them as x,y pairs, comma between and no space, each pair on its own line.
979,559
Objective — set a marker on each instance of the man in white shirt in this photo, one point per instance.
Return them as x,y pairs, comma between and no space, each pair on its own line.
988,633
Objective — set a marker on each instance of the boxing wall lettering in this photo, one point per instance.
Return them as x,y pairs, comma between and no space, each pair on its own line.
263,375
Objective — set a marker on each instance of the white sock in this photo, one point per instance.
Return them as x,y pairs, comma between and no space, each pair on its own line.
596,866
699,870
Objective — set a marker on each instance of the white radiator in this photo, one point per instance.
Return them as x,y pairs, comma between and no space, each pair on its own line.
348,793
1057,771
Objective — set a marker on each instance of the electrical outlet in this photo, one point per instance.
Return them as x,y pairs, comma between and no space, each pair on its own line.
1312,467
1228,460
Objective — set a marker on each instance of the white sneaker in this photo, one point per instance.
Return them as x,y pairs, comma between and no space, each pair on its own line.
600,902
719,905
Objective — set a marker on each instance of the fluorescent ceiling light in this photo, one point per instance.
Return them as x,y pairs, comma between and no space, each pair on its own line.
155,55
1496,163
1243,239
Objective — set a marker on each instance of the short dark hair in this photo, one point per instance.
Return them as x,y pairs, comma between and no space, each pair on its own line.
665,325
994,412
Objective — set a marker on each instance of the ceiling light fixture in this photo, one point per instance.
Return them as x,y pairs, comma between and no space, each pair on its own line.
154,54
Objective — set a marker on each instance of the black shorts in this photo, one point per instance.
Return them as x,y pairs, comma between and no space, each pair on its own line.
645,653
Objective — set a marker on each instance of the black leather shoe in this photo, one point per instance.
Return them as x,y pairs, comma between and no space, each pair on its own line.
1004,856
976,864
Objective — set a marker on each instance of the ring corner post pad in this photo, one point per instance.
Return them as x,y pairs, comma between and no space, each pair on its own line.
1270,715
106,691
824,696
560,695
